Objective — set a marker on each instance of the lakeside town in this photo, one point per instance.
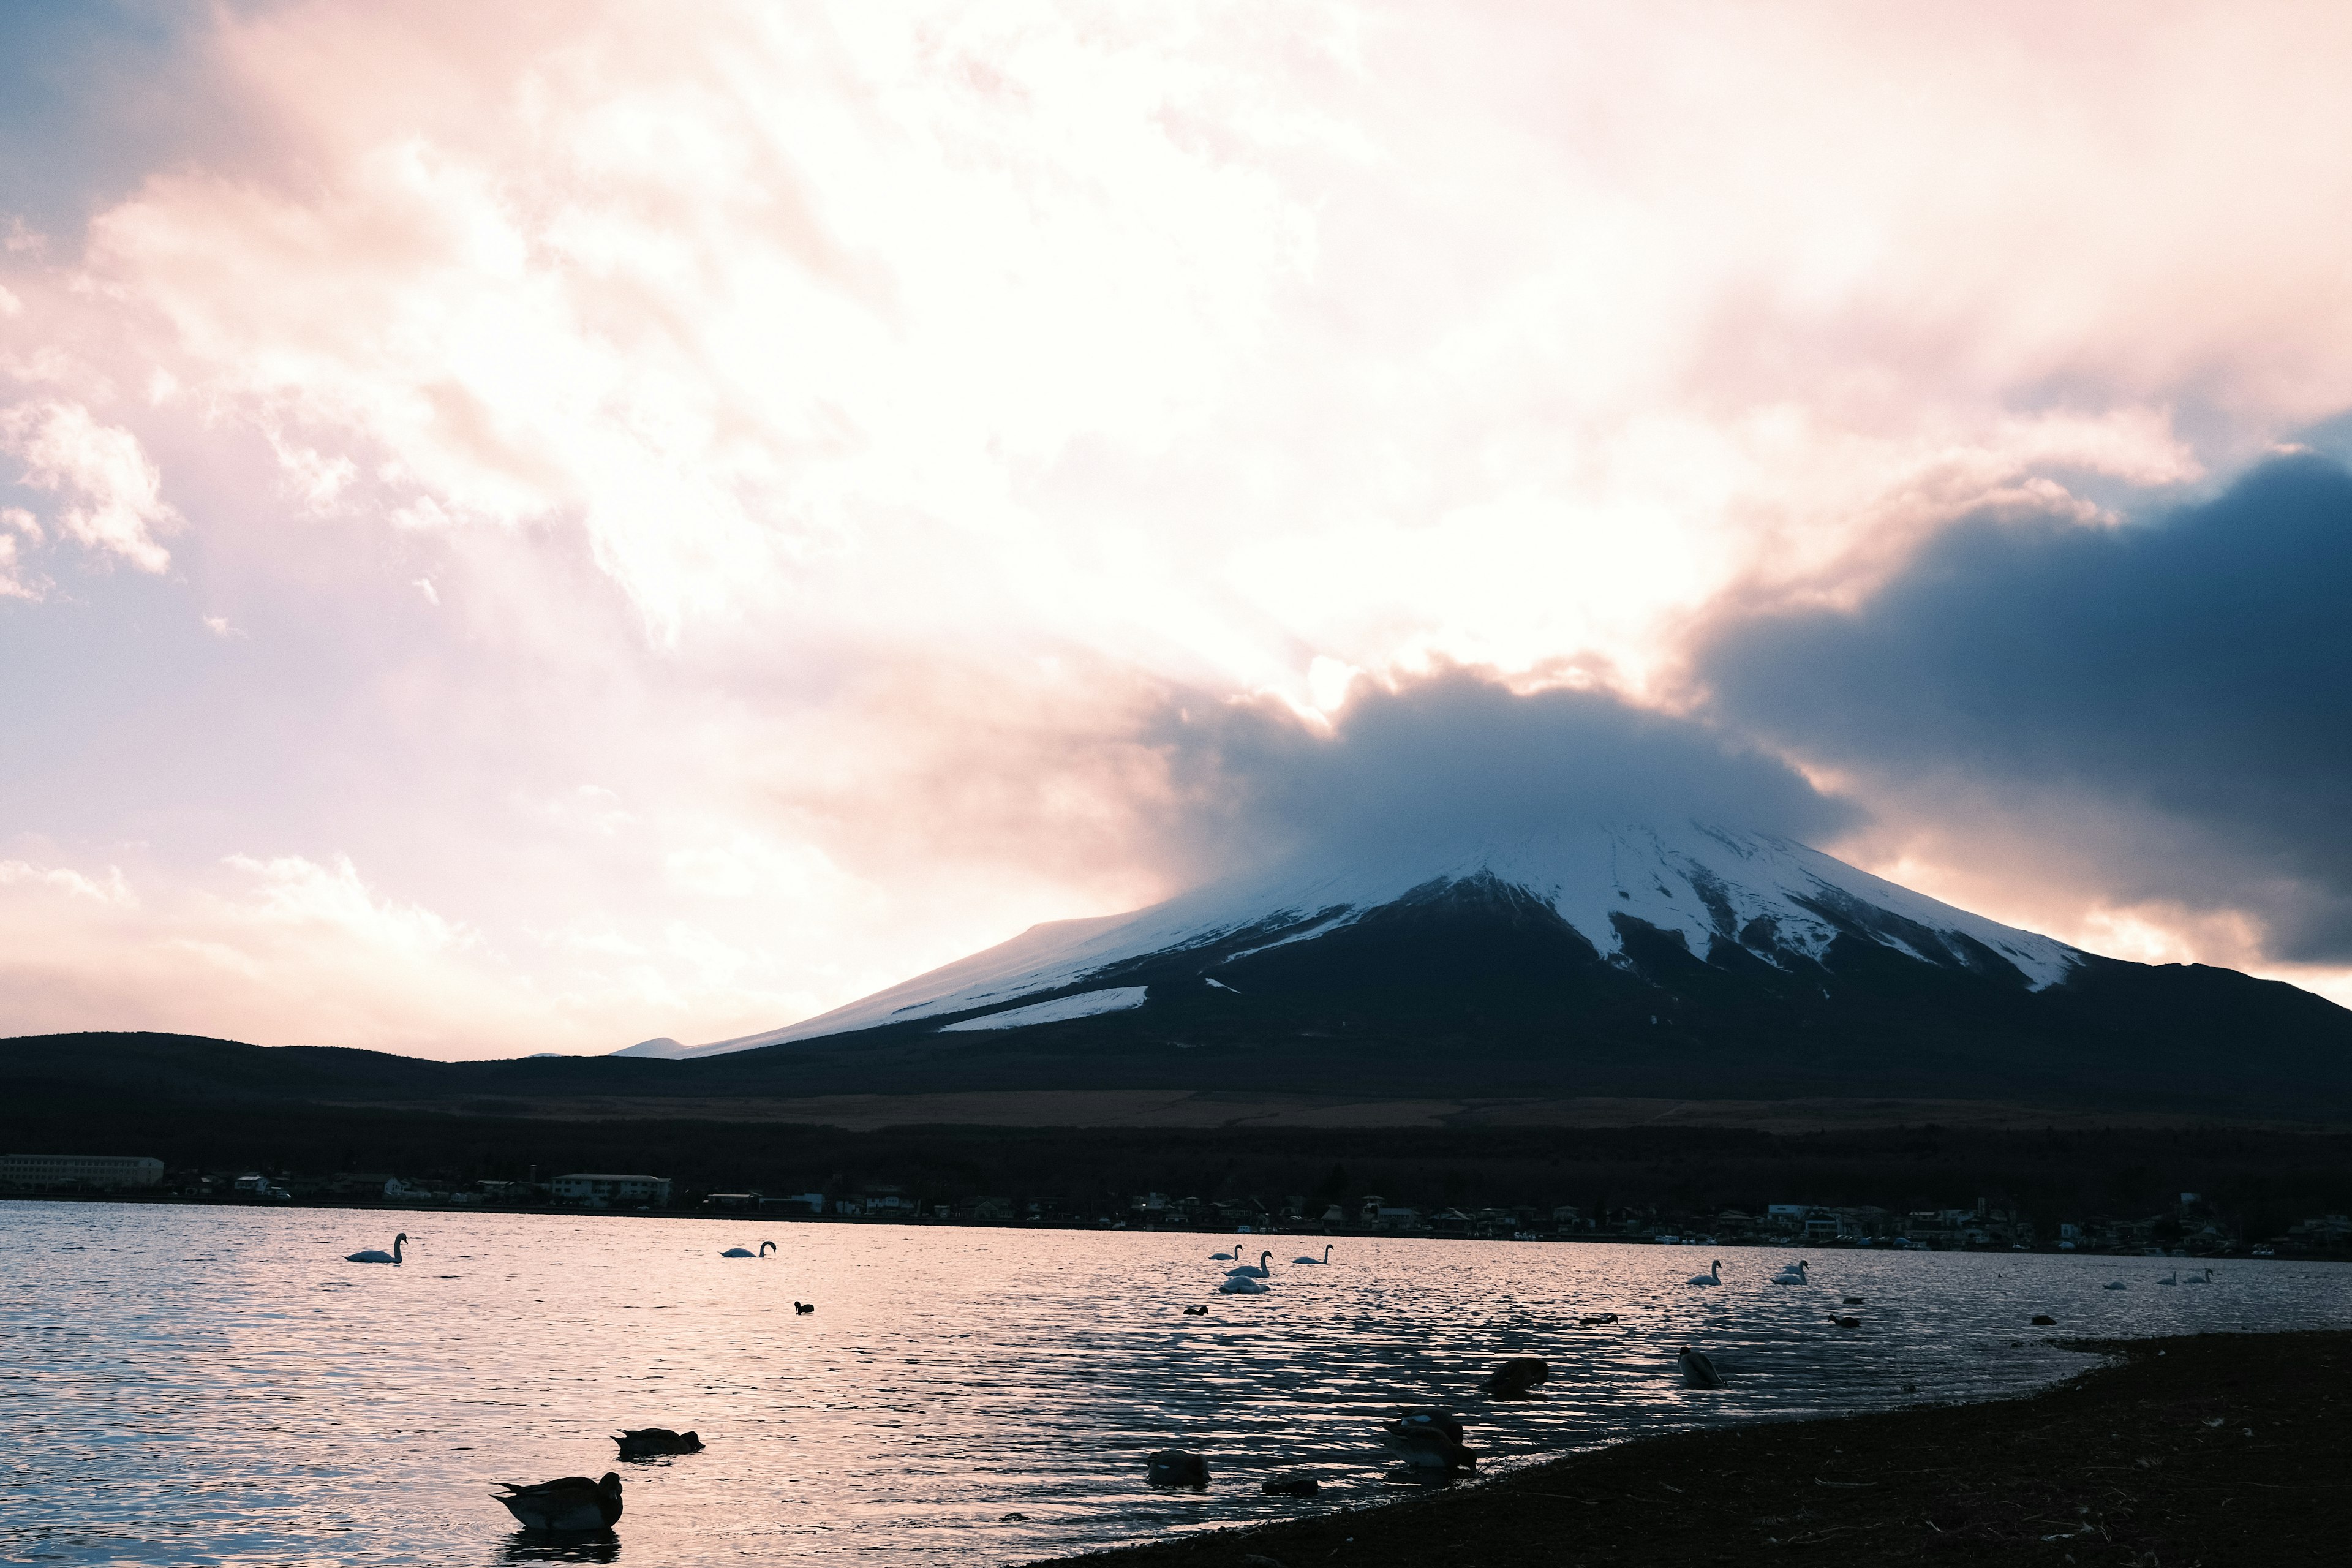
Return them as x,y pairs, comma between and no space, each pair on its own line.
2193,1227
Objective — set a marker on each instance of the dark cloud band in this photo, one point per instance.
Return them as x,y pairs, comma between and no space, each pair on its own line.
2194,671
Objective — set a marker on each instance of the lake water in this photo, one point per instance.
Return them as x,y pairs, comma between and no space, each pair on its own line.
198,1386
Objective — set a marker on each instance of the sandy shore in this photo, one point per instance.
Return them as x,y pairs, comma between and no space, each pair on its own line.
2217,1449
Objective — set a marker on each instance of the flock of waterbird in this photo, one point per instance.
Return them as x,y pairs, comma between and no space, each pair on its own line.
1427,1441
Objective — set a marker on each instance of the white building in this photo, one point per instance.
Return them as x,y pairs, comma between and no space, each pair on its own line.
79,1171
600,1189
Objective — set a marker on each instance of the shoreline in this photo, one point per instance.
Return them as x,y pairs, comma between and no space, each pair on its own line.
2233,1254
2213,1448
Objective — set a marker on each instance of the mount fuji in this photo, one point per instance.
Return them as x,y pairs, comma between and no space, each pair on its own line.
1672,958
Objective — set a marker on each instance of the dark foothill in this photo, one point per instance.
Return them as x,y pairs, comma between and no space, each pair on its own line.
1292,1484
1515,1377
1176,1467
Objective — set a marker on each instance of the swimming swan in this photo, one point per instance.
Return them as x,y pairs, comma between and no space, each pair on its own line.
1714,1275
2171,1279
1232,1256
2114,1285
1257,1270
2204,1278
373,1255
1697,1371
1324,1258
1242,1285
765,1248
571,1503
1795,1274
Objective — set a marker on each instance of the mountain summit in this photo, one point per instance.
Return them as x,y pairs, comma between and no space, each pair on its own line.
1679,959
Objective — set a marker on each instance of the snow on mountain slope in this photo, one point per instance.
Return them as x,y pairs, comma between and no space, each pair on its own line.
1701,881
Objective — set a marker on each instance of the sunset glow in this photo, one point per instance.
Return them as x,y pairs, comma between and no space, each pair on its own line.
527,529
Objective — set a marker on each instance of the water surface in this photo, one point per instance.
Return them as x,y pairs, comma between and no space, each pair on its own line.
212,1386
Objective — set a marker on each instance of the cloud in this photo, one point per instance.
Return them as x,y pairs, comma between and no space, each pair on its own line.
1453,756
111,494
921,460
2151,713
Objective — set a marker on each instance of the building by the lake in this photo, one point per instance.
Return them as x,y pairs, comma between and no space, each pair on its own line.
44,1170
592,1187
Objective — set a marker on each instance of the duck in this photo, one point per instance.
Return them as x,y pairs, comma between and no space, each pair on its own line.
1429,1440
1196,1310
1849,1301
1794,1274
569,1503
1176,1467
765,1249
1697,1371
1242,1285
373,1254
1594,1319
1845,1323
1513,1378
1324,1258
644,1442
1257,1270
1714,1275
801,1309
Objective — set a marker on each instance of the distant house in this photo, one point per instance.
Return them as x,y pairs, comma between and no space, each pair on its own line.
600,1189
79,1171
796,1203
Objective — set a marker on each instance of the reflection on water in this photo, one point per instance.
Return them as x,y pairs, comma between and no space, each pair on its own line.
217,1385
525,1547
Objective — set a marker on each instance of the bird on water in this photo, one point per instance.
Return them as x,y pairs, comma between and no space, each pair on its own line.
1257,1270
1324,1258
1697,1371
375,1255
765,1249
568,1504
644,1442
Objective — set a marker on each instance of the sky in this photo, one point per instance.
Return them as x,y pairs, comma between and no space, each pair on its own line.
532,528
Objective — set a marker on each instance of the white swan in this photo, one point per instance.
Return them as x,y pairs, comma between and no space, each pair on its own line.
765,1248
2171,1279
1795,1274
1257,1270
1242,1285
373,1255
1714,1275
1324,1258
2114,1285
1232,1256
2204,1278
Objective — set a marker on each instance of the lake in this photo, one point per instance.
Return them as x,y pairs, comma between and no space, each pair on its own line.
215,1385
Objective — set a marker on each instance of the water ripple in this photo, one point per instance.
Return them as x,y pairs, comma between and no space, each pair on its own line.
218,1386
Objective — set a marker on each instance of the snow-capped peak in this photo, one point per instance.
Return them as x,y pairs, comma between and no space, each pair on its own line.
1777,898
